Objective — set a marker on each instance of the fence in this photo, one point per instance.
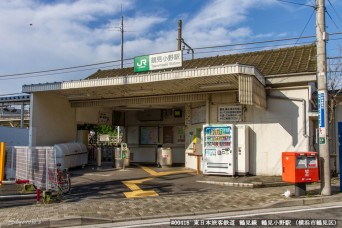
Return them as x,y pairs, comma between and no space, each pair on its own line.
36,164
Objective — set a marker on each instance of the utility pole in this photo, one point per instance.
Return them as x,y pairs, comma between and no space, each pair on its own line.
322,93
122,39
179,35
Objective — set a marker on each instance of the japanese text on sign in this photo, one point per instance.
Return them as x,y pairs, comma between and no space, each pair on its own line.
229,113
158,61
254,222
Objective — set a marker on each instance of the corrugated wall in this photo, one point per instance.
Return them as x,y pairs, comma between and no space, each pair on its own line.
251,91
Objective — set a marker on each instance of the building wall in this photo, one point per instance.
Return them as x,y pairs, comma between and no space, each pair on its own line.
14,136
278,129
91,115
274,130
338,118
52,120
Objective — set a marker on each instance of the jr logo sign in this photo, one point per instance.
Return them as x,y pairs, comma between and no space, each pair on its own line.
141,63
158,61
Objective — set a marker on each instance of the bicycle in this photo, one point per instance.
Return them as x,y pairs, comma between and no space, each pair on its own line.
60,182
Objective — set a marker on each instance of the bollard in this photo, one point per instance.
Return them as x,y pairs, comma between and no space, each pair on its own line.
2,161
38,195
99,158
300,189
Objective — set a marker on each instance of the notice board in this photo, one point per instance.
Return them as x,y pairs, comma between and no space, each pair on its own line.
149,135
168,134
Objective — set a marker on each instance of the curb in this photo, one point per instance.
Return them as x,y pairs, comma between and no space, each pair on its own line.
33,195
306,201
247,185
80,221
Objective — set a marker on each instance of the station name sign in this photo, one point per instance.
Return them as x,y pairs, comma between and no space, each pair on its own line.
158,61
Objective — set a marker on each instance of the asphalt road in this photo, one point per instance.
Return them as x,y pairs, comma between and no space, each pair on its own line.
106,182
329,215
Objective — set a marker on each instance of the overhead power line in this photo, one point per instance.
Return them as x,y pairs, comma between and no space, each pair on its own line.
65,72
296,3
306,25
249,48
60,69
332,19
266,41
199,48
335,57
258,42
337,14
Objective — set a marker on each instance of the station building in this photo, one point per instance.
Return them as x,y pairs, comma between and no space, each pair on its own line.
269,92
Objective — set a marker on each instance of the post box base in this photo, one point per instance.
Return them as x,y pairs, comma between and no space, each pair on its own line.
300,189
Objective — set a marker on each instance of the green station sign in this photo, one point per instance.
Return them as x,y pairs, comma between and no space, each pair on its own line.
158,61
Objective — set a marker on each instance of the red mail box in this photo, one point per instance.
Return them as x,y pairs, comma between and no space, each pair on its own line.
300,167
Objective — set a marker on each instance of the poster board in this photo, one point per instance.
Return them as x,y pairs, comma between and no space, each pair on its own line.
149,135
168,134
229,113
198,115
104,117
133,135
179,135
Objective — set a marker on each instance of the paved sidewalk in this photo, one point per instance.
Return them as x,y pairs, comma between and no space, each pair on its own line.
222,198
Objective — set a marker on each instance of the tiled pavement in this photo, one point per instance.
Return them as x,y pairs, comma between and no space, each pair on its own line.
77,211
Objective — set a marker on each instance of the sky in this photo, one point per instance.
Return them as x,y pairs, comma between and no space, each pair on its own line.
44,35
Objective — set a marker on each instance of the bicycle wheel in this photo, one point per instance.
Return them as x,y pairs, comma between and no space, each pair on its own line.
66,185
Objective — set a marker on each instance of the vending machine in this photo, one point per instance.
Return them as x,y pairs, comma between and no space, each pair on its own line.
218,149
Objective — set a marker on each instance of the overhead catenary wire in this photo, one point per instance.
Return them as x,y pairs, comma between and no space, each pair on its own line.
66,72
65,68
250,48
199,48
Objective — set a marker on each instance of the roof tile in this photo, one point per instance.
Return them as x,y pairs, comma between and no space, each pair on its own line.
298,59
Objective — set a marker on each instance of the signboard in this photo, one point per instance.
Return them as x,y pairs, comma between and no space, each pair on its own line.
229,113
321,117
104,117
158,61
148,135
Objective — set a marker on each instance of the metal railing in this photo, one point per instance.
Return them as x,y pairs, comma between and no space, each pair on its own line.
36,164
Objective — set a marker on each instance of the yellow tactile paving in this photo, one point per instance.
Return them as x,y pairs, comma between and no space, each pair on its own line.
158,174
138,192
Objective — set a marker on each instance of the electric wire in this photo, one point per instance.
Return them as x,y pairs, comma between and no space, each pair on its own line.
67,72
257,42
337,14
66,68
250,48
332,19
200,48
306,25
296,3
